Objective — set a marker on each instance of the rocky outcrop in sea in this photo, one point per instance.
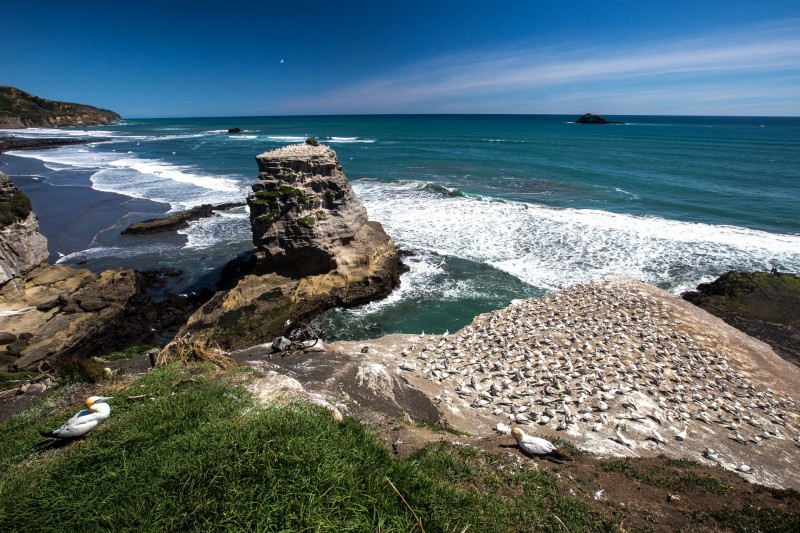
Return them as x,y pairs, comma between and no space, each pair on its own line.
314,249
589,118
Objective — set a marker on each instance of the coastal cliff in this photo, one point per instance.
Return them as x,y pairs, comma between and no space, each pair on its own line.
49,310
22,247
314,250
19,109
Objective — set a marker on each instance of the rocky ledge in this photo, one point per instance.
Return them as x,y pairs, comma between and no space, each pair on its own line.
615,366
314,250
11,143
763,305
177,221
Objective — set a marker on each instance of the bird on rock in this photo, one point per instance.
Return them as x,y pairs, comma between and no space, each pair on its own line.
536,446
84,421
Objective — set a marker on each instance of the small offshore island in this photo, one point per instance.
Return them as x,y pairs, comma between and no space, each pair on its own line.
672,418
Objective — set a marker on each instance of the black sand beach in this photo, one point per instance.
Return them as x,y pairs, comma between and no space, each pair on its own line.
70,212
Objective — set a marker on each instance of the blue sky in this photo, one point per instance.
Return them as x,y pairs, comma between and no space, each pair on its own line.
175,59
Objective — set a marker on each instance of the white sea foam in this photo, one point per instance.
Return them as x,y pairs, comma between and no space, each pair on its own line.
119,252
287,138
345,140
553,248
46,133
223,226
181,186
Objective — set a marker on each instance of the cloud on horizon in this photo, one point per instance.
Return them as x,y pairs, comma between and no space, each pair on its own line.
749,71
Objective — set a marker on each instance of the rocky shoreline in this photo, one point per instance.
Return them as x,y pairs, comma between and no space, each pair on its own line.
762,304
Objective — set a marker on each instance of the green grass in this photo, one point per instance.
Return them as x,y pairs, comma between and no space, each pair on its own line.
283,193
307,222
269,217
127,353
679,478
195,453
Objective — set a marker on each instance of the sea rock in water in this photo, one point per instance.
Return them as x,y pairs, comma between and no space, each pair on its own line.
588,118
22,247
314,249
178,220
235,130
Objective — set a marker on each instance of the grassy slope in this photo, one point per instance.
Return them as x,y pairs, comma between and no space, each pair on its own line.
17,103
199,454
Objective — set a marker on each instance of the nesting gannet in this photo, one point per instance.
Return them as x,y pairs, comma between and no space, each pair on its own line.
682,434
622,439
535,445
709,453
656,436
84,421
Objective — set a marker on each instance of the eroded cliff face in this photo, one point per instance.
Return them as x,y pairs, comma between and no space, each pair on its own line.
314,248
22,247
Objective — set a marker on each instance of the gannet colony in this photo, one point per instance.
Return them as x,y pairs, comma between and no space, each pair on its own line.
621,368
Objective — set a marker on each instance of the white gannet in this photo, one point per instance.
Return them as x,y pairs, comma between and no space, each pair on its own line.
84,421
656,436
682,435
535,445
622,439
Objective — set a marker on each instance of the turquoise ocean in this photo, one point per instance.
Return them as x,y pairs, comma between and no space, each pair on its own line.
489,208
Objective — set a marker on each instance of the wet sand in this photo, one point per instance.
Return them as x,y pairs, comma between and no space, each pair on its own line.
70,212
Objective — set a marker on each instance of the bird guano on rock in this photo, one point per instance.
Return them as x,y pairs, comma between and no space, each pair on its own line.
83,421
537,446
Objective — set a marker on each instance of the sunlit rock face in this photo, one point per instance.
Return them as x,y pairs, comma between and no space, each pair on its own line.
303,210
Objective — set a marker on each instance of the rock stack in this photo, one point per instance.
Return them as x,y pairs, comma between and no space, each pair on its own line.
314,250
303,210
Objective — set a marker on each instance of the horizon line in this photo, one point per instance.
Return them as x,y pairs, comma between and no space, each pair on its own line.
577,115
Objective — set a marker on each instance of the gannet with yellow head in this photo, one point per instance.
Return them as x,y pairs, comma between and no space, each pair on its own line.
535,445
85,420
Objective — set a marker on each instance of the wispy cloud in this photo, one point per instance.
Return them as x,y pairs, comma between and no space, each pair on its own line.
495,79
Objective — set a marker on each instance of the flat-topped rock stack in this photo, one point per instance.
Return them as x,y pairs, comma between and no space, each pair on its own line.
314,250
302,209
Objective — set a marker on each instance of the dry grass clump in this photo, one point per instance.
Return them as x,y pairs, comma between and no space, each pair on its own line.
195,350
